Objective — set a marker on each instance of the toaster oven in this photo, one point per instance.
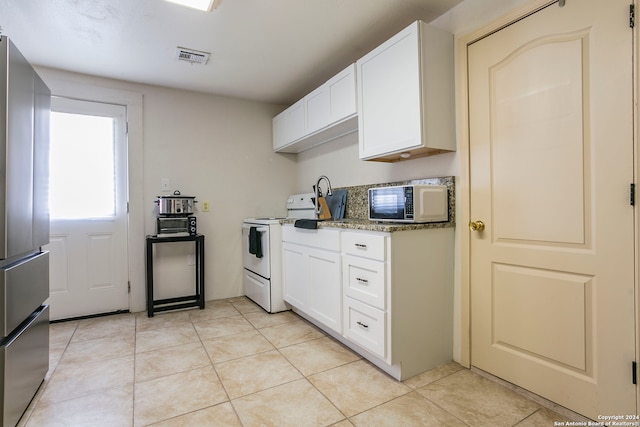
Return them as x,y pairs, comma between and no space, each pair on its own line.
176,226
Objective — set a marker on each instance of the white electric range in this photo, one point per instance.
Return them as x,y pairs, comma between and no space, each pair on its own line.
262,253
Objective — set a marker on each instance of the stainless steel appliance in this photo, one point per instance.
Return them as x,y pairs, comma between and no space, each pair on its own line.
175,205
176,226
262,253
409,203
175,216
24,229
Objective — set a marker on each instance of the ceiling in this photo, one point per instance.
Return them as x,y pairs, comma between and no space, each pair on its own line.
265,50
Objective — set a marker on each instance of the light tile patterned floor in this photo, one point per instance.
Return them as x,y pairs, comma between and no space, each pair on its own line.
234,365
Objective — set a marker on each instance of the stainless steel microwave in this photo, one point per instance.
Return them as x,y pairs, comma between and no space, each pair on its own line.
409,203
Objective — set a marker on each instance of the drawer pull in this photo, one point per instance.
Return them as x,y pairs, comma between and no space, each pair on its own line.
360,245
362,324
361,280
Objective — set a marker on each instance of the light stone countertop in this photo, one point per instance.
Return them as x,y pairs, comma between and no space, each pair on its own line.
363,224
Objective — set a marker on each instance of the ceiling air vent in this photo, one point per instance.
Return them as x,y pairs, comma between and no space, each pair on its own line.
192,56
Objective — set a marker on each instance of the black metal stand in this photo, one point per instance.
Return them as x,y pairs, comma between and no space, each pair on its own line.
196,300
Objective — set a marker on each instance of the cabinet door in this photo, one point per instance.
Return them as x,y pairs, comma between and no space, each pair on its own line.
317,109
42,111
296,121
19,154
295,275
325,290
389,111
342,94
280,130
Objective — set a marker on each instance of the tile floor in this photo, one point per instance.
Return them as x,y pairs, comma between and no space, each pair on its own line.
232,364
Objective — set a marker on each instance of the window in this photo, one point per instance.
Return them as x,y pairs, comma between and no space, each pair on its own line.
82,166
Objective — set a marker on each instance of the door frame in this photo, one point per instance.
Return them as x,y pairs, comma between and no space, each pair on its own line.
464,205
60,85
636,173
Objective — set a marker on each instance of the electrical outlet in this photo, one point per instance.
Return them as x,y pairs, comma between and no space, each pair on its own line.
205,206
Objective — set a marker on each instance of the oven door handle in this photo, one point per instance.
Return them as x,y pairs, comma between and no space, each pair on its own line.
259,229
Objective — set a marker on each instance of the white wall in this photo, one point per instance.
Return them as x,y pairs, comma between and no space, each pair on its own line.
216,148
473,14
339,160
220,150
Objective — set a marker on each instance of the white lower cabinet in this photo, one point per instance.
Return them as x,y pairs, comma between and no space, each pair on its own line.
324,290
393,291
364,280
295,275
366,326
398,297
312,274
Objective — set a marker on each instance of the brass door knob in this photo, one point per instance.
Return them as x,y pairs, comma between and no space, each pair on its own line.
476,225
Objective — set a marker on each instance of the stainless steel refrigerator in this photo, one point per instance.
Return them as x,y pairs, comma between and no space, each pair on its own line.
24,228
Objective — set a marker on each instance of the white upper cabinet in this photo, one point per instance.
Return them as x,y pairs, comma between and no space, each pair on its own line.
279,129
296,128
342,96
406,96
323,115
317,109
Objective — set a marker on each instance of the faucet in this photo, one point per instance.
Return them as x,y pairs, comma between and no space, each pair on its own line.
316,189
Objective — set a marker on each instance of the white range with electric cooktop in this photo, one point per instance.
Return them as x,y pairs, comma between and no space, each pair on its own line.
262,254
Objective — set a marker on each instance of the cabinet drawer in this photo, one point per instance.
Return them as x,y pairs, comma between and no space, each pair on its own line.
319,238
24,286
24,362
364,244
364,280
365,326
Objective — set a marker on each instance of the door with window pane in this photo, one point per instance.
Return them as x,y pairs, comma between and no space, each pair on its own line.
88,207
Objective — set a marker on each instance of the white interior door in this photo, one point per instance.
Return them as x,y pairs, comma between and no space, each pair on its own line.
551,162
88,206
